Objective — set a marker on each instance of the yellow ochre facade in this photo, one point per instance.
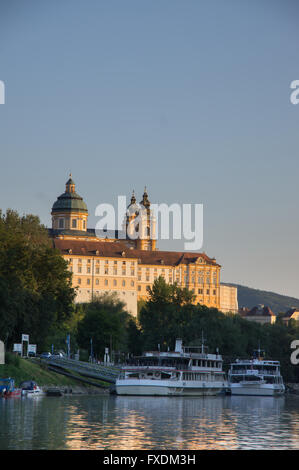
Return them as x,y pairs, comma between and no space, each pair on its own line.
124,265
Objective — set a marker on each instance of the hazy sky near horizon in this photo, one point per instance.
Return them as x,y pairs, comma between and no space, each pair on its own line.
190,98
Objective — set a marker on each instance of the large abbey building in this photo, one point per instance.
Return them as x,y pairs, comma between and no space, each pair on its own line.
123,264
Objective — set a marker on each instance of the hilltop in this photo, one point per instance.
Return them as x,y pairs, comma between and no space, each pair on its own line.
249,297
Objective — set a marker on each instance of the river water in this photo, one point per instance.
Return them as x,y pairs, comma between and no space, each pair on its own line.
126,423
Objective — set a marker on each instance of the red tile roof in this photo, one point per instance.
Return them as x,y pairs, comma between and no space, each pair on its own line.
120,249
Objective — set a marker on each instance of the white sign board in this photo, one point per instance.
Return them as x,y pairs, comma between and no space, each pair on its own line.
17,347
25,338
32,348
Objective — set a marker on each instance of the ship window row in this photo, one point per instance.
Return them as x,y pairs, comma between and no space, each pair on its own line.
238,369
203,363
197,376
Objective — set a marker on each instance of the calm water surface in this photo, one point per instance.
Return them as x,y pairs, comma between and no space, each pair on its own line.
113,422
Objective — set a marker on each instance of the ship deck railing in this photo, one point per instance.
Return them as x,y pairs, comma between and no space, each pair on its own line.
254,372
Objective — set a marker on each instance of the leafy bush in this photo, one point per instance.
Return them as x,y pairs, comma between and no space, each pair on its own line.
12,359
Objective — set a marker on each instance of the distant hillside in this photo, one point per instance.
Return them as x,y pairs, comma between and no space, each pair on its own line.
248,297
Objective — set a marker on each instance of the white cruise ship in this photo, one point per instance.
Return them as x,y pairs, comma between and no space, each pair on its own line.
187,371
255,376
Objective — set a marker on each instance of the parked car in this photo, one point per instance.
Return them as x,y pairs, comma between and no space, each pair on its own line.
57,355
45,355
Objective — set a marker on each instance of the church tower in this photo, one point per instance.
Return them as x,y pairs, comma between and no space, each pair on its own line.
140,223
69,212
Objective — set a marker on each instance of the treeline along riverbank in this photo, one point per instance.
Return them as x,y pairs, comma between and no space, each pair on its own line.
37,298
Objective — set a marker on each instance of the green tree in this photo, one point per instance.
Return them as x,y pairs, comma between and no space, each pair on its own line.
161,293
36,295
105,321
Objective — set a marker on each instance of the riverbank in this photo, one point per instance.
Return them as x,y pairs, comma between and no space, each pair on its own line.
25,369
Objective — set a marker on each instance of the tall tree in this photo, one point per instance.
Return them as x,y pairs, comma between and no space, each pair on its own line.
105,322
36,295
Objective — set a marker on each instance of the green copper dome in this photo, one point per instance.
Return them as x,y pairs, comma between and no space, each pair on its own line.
69,201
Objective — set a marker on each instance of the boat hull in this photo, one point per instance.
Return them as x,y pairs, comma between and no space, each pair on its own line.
16,393
165,388
257,390
33,393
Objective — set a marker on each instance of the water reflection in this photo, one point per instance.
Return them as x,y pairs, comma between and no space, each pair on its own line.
119,422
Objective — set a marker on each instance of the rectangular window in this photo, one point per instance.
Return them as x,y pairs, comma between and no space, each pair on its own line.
61,223
74,223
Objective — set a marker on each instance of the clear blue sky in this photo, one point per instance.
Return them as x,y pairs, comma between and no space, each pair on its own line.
190,98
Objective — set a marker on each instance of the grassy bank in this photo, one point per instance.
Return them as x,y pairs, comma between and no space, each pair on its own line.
25,369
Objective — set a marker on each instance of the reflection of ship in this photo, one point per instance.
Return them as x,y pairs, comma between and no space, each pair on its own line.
185,371
255,377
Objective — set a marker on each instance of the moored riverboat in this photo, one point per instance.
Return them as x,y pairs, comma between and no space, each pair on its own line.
256,376
186,371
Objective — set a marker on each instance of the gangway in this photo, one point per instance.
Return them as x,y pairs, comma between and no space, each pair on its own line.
97,371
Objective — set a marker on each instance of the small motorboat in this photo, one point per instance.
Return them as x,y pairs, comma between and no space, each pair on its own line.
8,390
30,389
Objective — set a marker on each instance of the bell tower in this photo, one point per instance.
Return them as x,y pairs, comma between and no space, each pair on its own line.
140,223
